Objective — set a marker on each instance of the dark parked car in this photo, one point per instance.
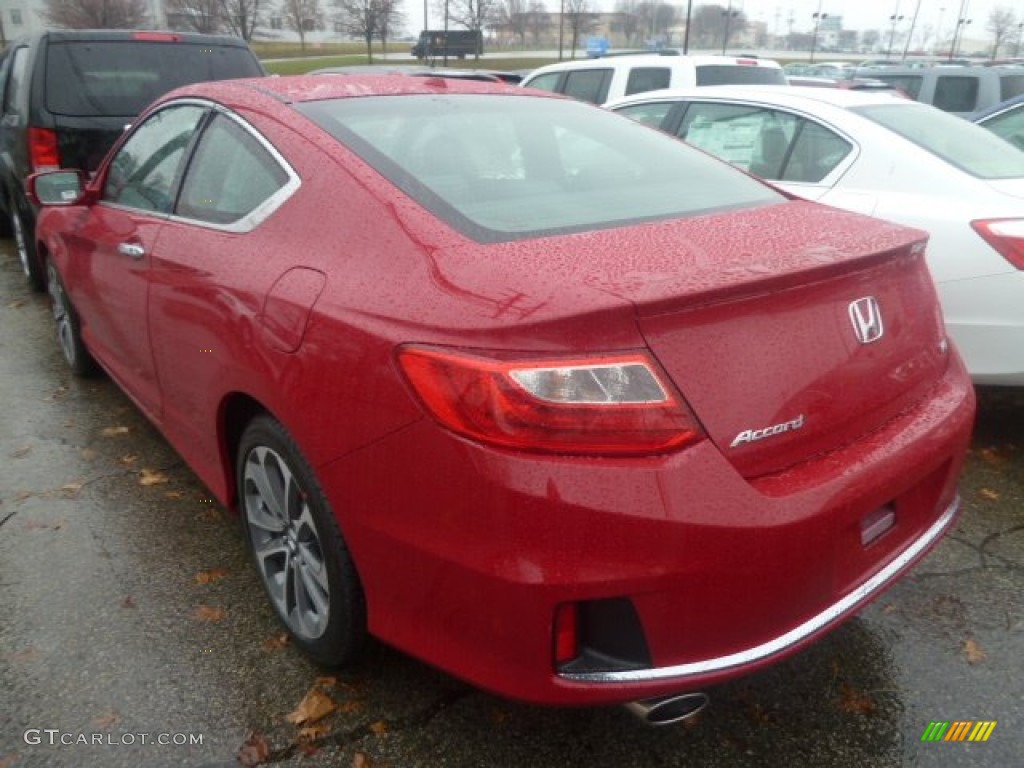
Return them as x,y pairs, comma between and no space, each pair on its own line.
485,380
67,96
960,90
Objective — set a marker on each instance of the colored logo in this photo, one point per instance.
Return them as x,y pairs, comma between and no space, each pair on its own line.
958,730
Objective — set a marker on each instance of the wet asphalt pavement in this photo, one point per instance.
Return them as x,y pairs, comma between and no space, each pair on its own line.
129,614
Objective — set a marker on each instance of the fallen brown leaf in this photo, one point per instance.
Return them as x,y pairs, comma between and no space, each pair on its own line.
988,493
361,760
71,489
57,394
992,456
277,642
107,719
889,608
210,576
254,751
6,761
973,651
380,728
128,602
173,494
25,655
16,304
313,732
208,613
152,477
114,431
128,458
350,706
23,495
855,702
22,452
315,705
329,681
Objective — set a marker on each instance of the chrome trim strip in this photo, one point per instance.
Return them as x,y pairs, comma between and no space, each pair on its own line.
792,637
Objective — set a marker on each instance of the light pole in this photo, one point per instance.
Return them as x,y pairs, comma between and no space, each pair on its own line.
895,19
910,34
958,30
817,16
729,14
686,36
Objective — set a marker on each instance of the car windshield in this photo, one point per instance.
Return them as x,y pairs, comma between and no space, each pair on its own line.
120,78
509,167
957,141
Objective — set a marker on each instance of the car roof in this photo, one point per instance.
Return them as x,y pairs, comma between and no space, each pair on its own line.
303,88
649,59
783,95
139,35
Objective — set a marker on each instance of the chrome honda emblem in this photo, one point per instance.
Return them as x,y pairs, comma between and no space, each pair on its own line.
866,317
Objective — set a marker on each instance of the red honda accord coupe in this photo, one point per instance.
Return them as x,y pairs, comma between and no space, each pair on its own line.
537,394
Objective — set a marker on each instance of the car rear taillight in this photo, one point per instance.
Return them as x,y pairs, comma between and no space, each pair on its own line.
611,405
1006,236
42,150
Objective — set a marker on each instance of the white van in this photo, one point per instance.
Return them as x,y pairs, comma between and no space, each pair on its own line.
612,77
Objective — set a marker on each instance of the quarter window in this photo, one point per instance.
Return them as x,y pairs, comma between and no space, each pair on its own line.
643,79
652,114
145,169
231,175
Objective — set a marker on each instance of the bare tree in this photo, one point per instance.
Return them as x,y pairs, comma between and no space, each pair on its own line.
537,21
389,16
514,16
1002,23
628,11
203,16
95,14
709,24
240,17
471,14
359,18
302,16
581,19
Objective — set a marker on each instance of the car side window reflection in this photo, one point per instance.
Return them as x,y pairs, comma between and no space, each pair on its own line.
231,175
145,169
652,114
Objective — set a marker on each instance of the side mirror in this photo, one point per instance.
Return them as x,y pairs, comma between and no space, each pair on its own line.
56,188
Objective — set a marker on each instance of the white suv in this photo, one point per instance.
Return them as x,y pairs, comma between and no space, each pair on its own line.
612,77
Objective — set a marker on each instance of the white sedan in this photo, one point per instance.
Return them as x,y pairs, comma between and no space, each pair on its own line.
892,158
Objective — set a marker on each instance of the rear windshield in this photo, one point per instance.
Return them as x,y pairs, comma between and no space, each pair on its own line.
501,168
957,141
121,78
739,74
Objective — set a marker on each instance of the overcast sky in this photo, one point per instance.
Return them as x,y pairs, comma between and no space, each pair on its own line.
857,14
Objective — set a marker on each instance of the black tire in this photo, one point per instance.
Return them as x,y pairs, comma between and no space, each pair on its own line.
24,241
292,536
69,334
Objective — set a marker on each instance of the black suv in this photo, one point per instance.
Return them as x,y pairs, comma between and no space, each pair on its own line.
67,96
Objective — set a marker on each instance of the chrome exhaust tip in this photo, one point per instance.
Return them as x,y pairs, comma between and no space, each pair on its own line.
666,710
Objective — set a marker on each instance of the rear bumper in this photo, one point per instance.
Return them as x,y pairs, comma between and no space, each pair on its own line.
466,553
797,636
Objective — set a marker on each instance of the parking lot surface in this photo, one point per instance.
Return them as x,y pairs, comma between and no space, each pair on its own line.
134,631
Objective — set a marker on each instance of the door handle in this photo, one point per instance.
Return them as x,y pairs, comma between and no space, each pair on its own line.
134,250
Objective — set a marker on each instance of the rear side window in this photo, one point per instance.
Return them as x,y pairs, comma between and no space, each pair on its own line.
120,78
643,79
546,82
739,74
956,94
1010,86
588,85
230,176
652,114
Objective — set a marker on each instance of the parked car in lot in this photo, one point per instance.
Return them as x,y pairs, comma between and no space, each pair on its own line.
486,381
1005,120
67,96
893,158
960,90
612,77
